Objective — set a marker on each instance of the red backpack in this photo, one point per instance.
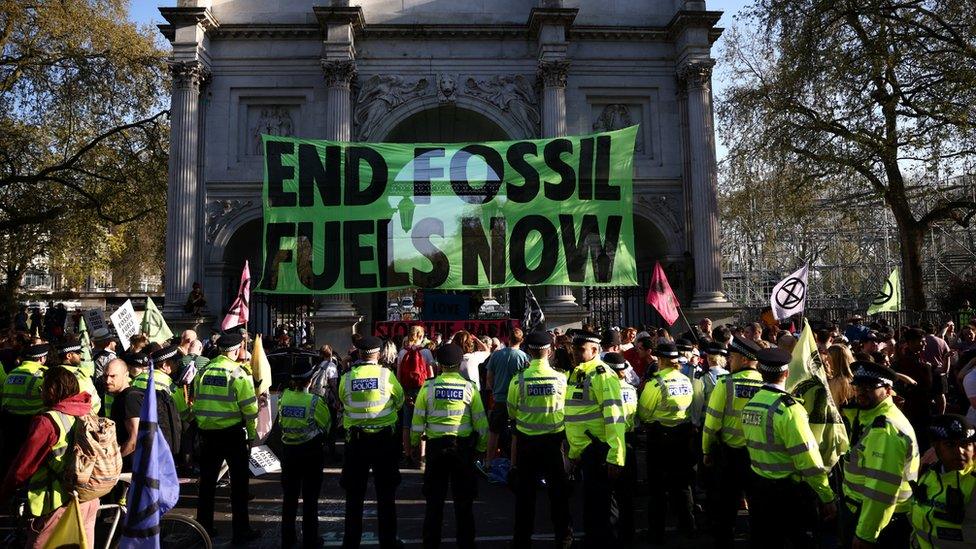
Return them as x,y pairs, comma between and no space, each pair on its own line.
413,368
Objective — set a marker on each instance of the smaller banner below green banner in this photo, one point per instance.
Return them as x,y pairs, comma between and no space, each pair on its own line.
361,217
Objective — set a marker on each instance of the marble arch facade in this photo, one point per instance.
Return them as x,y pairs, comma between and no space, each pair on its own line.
355,70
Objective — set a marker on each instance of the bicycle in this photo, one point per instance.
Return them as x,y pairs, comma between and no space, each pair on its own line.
175,530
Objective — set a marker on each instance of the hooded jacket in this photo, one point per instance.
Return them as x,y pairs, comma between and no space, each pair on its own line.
43,436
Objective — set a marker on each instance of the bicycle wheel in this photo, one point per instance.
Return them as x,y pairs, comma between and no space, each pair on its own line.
182,532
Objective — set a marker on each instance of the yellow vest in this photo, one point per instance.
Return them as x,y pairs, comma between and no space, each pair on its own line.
594,408
45,491
780,442
225,397
537,398
22,389
724,406
303,416
935,522
666,398
371,397
449,405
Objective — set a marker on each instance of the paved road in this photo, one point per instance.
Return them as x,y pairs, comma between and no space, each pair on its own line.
494,510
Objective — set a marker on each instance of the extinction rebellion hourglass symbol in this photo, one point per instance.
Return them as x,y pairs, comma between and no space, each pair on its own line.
791,293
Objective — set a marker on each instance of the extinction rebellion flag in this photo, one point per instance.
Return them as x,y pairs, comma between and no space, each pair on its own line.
889,298
661,296
360,217
790,295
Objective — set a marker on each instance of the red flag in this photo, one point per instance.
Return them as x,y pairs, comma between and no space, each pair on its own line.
662,297
240,310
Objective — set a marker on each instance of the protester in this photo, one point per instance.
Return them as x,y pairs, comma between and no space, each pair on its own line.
414,366
42,459
475,354
503,364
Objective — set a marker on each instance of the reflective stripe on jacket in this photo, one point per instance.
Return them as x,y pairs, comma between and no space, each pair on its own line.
594,406
45,491
537,399
225,397
666,398
371,397
724,406
303,416
449,405
780,442
937,526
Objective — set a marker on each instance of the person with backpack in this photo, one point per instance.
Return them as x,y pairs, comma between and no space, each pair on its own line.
414,366
43,458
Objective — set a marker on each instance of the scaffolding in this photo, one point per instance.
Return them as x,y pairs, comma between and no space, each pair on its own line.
851,245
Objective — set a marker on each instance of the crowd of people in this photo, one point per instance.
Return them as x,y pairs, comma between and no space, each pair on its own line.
707,410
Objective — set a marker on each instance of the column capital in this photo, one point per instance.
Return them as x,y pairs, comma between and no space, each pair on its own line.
339,73
188,74
553,73
697,74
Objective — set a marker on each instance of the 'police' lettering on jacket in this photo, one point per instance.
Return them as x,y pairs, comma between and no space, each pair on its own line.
366,384
544,389
448,393
293,411
215,381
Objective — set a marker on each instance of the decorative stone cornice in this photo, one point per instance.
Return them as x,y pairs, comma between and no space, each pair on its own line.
697,74
340,14
178,17
553,73
339,73
188,74
550,15
686,19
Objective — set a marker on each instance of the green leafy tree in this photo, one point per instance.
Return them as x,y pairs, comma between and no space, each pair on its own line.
83,132
876,94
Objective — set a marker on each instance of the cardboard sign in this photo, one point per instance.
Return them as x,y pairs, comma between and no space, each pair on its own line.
95,321
125,322
502,329
263,461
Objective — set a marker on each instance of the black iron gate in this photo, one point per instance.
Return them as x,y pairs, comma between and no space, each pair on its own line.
627,306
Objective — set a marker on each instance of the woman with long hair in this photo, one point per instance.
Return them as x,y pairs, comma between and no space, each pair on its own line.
839,374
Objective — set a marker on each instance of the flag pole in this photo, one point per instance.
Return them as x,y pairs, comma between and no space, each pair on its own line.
681,311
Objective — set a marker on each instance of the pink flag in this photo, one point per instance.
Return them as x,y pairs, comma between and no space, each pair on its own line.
240,310
662,297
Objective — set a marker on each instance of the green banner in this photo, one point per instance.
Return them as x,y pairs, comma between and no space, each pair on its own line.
361,217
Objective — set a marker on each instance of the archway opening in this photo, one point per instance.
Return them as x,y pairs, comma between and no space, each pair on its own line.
446,123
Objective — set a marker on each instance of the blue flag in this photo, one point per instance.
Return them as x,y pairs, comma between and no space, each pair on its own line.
155,487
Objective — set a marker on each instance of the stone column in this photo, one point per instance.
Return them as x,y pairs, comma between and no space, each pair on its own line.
183,194
701,133
336,316
559,303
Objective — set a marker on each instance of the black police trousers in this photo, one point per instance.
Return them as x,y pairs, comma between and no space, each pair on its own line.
670,472
301,474
782,510
733,476
897,533
216,446
380,452
541,456
449,460
599,508
624,489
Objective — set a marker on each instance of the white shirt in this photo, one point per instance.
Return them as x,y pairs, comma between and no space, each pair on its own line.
969,385
469,366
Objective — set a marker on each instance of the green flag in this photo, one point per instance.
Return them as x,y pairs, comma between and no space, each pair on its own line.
154,325
889,298
84,339
808,381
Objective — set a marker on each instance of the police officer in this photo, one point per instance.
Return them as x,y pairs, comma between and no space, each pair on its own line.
883,459
226,412
536,401
595,429
450,414
943,511
723,444
782,451
371,397
305,422
624,485
164,362
21,400
663,409
69,354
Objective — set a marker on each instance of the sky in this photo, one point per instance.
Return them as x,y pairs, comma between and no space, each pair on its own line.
147,12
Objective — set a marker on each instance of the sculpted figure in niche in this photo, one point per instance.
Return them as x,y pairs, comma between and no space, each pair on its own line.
511,94
274,120
615,117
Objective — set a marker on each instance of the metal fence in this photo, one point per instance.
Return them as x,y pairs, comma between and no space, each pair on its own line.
841,315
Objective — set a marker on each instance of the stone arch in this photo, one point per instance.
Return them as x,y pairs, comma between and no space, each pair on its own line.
229,227
411,107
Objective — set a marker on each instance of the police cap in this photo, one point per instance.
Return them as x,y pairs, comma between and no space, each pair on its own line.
684,346
135,360
869,374
37,351
666,350
538,340
69,347
615,361
229,342
368,345
450,355
716,348
164,354
580,338
774,360
744,347
952,427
